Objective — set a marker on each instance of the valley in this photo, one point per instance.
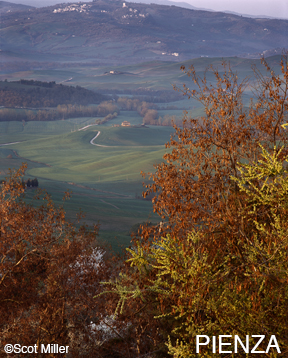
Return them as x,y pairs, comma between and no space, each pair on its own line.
105,178
113,50
143,176
105,181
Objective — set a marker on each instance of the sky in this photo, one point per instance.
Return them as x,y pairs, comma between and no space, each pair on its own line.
271,8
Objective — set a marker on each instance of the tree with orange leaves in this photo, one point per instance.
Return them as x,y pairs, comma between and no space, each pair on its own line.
49,273
193,181
217,264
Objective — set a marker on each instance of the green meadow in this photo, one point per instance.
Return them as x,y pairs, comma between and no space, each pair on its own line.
154,75
105,179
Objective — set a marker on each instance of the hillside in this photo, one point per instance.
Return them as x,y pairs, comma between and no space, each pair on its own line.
8,7
116,32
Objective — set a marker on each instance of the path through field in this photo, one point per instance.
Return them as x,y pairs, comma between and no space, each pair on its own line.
9,143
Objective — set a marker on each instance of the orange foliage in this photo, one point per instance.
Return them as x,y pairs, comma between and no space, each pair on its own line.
193,184
49,273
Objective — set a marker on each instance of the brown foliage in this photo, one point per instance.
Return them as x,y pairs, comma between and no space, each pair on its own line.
193,182
195,193
49,274
150,117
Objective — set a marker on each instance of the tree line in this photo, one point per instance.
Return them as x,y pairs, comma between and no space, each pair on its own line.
63,111
30,183
107,109
148,111
32,100
38,94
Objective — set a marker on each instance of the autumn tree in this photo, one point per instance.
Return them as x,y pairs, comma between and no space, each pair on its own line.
225,291
150,117
216,263
195,176
128,104
49,273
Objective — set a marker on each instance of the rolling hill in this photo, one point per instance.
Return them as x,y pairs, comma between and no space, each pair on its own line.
117,32
7,7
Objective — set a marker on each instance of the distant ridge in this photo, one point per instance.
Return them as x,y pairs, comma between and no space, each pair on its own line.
172,3
189,6
115,32
10,7
44,3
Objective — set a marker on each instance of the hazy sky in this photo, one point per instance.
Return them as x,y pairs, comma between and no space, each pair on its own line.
273,8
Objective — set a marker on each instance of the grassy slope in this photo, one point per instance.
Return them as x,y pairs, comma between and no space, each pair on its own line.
70,156
104,180
153,75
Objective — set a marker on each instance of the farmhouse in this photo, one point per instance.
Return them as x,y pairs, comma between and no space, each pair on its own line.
125,124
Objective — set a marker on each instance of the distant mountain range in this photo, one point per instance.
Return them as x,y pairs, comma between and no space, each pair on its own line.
189,6
43,3
119,32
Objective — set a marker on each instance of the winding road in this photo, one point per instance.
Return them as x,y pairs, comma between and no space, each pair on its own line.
100,145
9,143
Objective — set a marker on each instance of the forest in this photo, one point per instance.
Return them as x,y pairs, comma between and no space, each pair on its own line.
38,94
62,111
47,101
214,265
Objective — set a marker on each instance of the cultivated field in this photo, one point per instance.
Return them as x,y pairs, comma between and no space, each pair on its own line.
105,180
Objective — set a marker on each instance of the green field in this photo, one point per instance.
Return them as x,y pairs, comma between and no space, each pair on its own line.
154,75
105,181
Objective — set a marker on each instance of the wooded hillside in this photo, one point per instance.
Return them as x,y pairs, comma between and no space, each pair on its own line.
36,94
